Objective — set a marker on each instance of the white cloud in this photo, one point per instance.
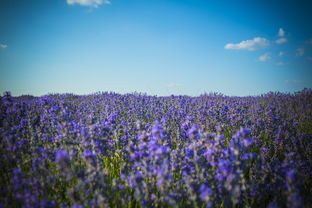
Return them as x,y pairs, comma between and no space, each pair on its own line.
281,53
281,40
264,57
3,46
281,63
299,52
90,3
281,32
250,45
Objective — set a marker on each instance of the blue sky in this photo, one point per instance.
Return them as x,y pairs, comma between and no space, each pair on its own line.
159,47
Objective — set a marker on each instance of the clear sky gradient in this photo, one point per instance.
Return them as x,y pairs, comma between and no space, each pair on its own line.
158,47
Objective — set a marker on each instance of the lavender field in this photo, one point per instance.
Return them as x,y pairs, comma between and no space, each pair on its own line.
134,150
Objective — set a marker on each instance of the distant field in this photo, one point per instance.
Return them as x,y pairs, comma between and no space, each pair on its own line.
112,150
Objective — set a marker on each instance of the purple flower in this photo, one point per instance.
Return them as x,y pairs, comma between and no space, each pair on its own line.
248,156
245,131
77,206
271,205
208,153
205,192
294,200
189,152
219,177
247,142
157,131
62,158
193,132
90,157
291,176
224,166
88,153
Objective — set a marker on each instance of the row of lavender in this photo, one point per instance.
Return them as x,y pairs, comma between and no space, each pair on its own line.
111,150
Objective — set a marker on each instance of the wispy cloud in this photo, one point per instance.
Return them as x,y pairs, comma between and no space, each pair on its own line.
299,52
309,41
281,63
310,58
281,40
281,34
173,85
281,53
264,57
3,46
250,45
90,3
295,81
